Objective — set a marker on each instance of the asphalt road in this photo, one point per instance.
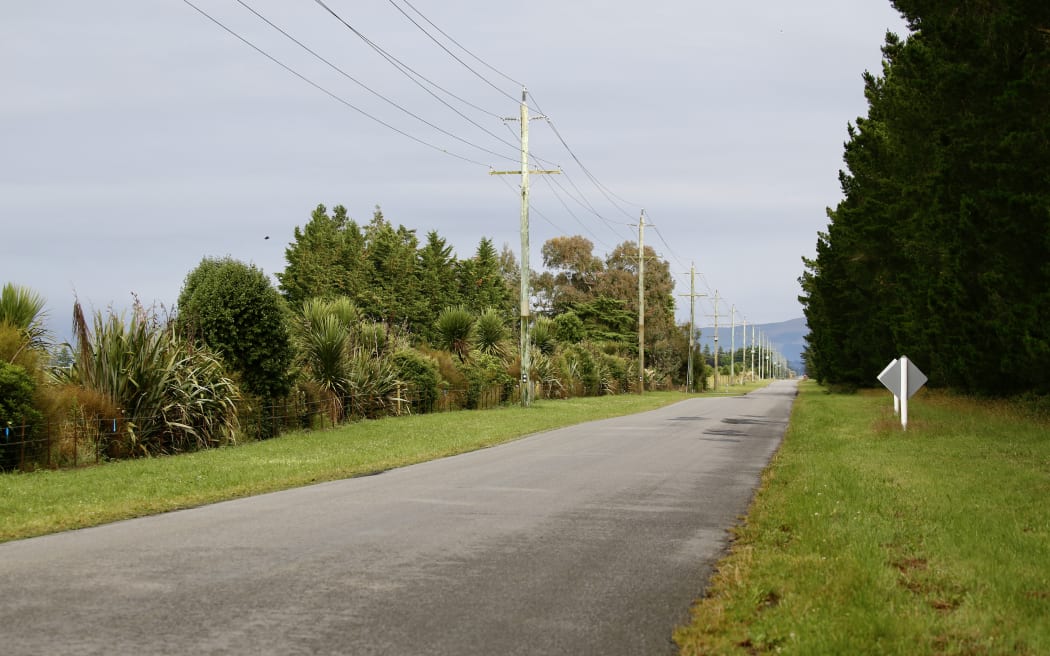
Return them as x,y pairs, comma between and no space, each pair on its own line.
593,539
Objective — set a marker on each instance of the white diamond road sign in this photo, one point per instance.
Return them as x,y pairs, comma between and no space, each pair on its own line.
891,378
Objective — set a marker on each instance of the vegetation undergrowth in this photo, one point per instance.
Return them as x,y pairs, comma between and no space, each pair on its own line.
867,539
49,501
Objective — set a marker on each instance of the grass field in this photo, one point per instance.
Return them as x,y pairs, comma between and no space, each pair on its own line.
49,501
864,539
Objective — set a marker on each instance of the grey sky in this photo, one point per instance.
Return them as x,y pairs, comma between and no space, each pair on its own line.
138,137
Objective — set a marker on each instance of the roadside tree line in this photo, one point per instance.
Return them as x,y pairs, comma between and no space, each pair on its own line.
940,246
365,321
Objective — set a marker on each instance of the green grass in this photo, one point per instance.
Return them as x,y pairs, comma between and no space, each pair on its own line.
49,501
864,539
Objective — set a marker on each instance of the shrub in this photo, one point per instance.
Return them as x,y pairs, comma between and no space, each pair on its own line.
581,369
490,334
19,419
484,373
420,374
542,335
615,372
455,331
173,396
237,312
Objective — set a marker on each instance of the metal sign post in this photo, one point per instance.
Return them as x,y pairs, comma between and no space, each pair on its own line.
904,379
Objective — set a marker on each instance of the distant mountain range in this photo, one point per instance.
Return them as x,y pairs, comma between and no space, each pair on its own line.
787,337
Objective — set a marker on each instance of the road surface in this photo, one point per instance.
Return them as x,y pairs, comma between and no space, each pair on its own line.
593,539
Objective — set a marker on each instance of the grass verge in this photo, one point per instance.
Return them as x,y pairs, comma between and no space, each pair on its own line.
864,539
49,501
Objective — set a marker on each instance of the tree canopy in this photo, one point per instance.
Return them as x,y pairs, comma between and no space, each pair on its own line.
940,247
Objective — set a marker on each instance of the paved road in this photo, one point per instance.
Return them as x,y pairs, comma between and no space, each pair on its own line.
593,539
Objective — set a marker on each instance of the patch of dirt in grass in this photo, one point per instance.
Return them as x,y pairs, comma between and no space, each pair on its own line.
940,593
908,565
770,600
974,644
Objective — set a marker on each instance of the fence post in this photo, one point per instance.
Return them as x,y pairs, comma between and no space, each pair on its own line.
47,440
22,454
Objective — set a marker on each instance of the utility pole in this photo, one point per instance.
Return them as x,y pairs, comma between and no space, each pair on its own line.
692,329
752,353
716,340
732,349
641,303
526,386
761,356
743,354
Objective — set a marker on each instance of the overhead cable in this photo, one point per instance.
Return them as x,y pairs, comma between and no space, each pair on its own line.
374,92
410,72
328,93
450,53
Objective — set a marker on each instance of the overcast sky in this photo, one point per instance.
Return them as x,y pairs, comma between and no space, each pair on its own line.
138,137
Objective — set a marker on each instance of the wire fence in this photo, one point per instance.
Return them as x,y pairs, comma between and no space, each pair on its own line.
81,438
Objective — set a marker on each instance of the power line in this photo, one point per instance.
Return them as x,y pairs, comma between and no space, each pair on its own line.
450,53
585,203
325,91
464,49
531,206
372,91
609,195
410,72
668,246
572,214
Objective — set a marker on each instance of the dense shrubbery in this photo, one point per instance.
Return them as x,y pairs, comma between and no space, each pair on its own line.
370,323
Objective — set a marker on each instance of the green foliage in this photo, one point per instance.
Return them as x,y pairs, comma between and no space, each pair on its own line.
866,539
23,309
490,335
581,370
392,287
173,396
614,373
938,248
371,383
485,372
420,374
325,259
542,335
482,283
455,330
437,284
607,319
322,339
233,308
568,328
19,417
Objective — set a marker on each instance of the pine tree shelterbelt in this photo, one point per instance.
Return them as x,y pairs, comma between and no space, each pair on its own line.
940,247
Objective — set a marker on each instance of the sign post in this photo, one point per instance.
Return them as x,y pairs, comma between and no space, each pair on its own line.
904,379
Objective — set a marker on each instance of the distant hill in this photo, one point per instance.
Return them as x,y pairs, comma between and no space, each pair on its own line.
787,336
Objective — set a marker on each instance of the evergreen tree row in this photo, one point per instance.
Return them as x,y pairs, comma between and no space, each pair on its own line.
389,275
940,248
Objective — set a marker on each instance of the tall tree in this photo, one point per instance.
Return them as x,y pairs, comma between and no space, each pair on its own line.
482,283
939,248
391,293
435,265
325,258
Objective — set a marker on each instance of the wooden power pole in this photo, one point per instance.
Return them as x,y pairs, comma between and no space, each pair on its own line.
525,292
